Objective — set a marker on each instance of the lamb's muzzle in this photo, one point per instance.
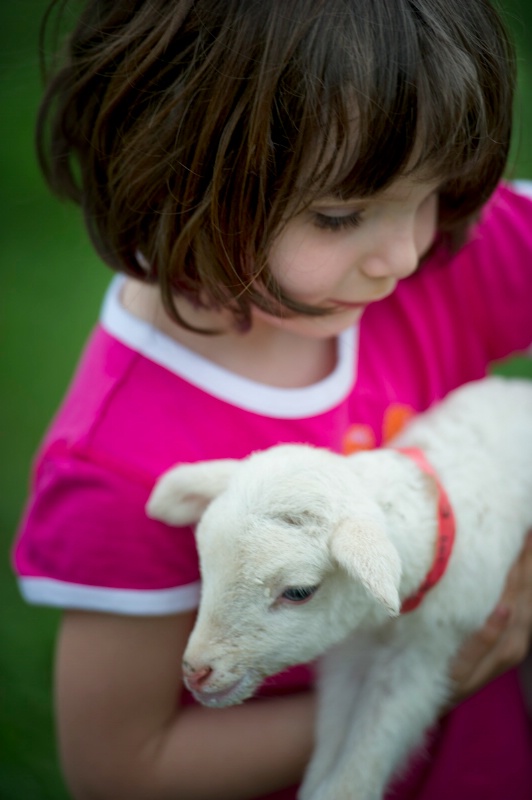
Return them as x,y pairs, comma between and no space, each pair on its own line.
195,678
211,688
198,682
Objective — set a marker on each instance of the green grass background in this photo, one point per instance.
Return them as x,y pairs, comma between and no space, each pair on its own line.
50,291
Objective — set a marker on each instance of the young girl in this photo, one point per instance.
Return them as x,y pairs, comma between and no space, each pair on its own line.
302,198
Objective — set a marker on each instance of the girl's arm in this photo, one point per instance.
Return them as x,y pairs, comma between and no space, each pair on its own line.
123,735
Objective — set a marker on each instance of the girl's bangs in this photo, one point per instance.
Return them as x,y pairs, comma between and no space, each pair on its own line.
426,107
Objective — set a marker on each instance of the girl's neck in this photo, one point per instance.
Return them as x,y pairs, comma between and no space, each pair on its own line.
266,354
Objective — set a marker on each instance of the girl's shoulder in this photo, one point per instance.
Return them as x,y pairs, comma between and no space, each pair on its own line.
498,250
520,188
85,541
506,220
496,261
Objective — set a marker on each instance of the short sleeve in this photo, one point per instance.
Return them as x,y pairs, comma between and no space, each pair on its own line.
85,542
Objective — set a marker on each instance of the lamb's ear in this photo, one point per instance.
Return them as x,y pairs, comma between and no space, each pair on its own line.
364,550
182,494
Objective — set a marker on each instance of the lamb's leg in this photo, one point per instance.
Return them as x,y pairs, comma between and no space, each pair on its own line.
341,674
400,700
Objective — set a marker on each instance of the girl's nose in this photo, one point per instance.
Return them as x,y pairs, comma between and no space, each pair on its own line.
394,256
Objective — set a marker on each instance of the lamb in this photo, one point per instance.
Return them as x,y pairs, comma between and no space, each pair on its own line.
306,553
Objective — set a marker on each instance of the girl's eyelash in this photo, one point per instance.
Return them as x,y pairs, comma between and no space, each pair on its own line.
332,223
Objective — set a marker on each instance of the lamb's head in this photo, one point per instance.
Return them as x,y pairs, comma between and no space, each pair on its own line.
292,561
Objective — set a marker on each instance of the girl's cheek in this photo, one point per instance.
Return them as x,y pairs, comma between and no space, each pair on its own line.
304,268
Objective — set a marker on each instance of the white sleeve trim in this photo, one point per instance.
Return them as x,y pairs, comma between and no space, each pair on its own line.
135,602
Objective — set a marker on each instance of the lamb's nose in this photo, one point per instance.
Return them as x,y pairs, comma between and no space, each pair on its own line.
195,678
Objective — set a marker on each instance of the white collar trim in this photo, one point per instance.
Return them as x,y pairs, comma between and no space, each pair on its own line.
221,383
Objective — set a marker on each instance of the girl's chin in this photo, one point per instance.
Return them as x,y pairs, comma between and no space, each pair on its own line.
314,327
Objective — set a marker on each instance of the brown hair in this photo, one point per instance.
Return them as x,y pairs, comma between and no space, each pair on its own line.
189,130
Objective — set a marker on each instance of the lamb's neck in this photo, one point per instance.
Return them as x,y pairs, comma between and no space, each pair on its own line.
408,500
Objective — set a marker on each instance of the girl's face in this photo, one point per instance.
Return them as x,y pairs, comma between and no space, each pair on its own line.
347,254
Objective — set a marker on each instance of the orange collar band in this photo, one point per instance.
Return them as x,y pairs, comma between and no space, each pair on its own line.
445,535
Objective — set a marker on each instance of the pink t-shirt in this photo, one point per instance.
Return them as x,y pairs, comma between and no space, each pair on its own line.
140,403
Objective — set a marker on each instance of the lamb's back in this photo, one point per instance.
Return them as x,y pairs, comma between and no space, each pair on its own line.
489,419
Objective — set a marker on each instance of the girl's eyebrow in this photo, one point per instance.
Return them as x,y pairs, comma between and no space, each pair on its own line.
335,195
338,197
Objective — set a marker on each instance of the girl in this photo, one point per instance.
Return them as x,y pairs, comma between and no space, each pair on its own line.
302,200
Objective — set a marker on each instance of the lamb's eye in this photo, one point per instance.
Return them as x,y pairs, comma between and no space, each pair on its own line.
298,518
298,594
290,519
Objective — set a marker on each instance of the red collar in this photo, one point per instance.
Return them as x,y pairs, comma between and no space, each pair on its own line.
445,535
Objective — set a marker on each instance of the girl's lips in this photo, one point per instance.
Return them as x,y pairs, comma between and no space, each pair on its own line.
361,305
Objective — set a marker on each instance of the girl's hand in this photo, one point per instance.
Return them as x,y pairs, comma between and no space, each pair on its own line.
504,640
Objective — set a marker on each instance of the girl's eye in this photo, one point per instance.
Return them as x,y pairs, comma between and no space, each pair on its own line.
298,594
331,222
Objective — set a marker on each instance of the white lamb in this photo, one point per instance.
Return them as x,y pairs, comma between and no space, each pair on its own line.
305,551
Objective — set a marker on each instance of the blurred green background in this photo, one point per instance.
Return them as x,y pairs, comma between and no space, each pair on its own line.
51,286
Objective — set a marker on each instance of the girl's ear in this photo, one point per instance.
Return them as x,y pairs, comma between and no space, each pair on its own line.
182,494
365,551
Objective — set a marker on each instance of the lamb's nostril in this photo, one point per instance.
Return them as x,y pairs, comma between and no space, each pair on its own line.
195,678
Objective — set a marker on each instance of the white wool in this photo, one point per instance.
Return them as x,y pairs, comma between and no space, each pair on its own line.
361,528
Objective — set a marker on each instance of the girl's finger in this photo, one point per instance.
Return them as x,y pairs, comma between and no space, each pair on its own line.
505,638
479,646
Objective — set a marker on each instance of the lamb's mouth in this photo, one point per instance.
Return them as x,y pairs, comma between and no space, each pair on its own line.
236,692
